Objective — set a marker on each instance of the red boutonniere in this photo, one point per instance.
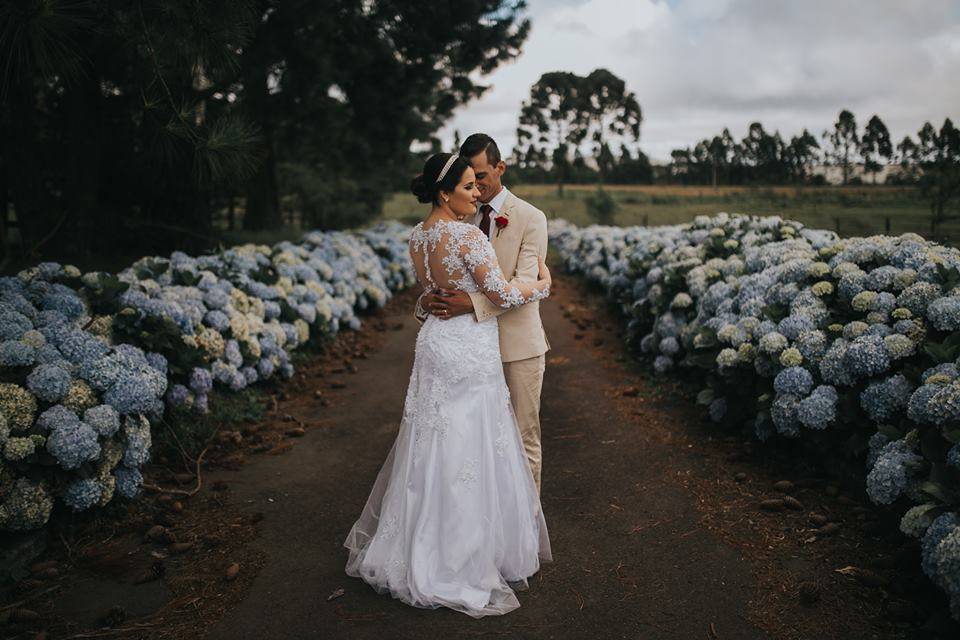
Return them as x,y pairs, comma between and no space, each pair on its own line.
501,222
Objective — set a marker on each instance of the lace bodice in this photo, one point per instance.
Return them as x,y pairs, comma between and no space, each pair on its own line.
456,255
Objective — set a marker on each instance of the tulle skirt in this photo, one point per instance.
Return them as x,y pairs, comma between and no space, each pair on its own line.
454,518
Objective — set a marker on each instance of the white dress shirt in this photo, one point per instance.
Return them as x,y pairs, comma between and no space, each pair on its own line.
496,204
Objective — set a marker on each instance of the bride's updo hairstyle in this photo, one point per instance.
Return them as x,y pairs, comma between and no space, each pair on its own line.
426,187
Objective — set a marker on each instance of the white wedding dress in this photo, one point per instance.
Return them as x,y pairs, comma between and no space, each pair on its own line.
454,514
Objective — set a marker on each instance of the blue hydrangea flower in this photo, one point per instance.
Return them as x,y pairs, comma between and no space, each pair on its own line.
82,494
833,368
200,381
794,325
265,368
819,409
795,381
874,446
250,374
13,325
216,299
271,310
137,439
157,361
944,313
178,395
661,364
812,344
891,473
49,382
73,444
784,412
136,392
56,417
14,353
867,356
669,346
718,409
919,408
918,296
881,400
947,558
232,353
218,320
129,481
943,526
103,418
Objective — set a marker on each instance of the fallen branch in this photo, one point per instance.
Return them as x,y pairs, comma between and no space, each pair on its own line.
181,492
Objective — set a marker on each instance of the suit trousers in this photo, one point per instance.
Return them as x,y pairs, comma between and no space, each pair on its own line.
525,380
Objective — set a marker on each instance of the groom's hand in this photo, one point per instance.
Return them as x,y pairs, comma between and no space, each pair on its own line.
449,303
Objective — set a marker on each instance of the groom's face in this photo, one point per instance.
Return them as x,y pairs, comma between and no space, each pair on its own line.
488,175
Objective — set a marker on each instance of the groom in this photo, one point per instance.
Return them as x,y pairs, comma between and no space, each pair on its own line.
518,232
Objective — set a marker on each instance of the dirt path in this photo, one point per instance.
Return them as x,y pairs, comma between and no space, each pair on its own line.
653,535
654,518
670,578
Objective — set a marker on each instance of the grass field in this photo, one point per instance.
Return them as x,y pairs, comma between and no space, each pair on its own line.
851,210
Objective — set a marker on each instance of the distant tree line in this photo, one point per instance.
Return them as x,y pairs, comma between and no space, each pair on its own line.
932,163
570,125
130,123
762,158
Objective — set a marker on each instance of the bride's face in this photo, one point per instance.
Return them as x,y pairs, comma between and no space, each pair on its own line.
463,199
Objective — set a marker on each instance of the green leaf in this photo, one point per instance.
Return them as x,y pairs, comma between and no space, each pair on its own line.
951,433
950,277
936,490
775,312
890,431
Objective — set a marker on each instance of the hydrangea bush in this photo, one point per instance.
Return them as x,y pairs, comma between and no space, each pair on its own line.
798,333
87,361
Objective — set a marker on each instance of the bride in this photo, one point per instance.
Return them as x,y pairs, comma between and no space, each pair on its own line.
454,514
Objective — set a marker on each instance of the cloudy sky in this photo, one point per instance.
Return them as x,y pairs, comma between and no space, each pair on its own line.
698,66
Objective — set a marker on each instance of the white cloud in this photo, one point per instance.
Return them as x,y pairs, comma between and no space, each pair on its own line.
700,66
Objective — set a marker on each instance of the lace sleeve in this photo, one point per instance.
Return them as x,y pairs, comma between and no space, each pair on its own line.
481,261
418,311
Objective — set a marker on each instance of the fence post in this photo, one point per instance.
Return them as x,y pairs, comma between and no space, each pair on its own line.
886,225
646,219
836,222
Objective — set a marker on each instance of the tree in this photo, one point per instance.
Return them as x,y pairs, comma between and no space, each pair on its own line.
906,158
632,168
610,110
121,117
801,153
564,110
938,157
109,120
553,121
347,86
763,154
844,142
721,153
874,145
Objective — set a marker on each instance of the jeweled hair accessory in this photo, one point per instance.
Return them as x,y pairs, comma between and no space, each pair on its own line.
447,166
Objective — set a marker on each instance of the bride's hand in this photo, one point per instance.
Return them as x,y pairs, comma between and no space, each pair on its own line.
544,273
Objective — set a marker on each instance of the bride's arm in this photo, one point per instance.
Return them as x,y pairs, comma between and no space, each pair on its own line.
481,260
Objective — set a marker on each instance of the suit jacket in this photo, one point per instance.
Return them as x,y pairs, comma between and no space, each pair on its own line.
517,246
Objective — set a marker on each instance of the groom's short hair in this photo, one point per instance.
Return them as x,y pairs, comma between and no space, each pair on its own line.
477,142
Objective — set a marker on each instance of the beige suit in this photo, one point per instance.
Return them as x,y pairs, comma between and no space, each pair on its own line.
523,342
